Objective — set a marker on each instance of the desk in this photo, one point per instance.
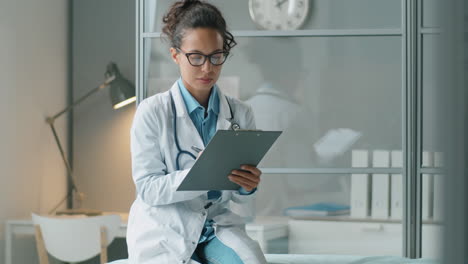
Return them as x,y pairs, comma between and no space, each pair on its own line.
262,230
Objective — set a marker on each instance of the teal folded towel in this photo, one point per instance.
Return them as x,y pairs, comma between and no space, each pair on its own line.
317,209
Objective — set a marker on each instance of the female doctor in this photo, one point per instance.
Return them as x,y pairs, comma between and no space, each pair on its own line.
169,226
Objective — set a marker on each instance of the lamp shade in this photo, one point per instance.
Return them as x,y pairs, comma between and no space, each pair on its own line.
122,91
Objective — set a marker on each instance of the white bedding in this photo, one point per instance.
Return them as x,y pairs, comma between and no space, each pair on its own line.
331,259
339,259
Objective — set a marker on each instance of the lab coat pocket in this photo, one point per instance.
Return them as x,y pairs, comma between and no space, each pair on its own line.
227,218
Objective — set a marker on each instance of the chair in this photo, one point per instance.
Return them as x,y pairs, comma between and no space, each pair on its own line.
74,239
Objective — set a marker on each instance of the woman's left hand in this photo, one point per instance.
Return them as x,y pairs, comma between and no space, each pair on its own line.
248,177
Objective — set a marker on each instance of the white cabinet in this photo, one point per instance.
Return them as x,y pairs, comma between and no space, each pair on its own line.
263,233
432,240
367,238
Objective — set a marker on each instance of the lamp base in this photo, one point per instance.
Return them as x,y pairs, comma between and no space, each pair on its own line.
79,211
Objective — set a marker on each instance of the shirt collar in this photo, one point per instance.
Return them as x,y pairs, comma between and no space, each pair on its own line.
192,104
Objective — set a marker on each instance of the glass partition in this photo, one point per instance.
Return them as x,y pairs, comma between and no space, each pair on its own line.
432,135
338,98
329,95
430,13
432,138
322,14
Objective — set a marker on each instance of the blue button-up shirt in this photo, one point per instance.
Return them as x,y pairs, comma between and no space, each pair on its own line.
205,121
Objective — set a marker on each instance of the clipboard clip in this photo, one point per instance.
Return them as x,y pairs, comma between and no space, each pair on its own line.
235,126
242,130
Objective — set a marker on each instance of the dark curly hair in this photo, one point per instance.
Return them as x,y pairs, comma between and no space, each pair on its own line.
190,14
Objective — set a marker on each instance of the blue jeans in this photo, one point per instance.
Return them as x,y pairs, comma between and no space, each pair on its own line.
215,252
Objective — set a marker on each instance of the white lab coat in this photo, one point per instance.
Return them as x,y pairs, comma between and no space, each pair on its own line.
164,225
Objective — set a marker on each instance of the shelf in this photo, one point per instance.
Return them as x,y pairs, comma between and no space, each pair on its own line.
358,220
332,170
305,33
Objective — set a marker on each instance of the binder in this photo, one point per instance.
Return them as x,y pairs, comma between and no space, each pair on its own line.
438,197
380,207
396,193
227,151
427,186
360,185
438,188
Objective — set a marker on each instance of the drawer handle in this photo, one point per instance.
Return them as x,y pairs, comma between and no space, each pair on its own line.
373,228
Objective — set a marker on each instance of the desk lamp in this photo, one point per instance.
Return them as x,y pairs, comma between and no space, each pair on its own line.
122,93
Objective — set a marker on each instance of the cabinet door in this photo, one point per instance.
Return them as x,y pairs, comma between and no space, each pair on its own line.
357,238
340,237
432,237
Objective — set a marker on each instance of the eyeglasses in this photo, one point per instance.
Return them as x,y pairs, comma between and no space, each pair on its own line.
198,59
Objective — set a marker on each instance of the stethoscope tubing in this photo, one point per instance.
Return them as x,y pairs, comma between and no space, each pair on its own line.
176,139
234,126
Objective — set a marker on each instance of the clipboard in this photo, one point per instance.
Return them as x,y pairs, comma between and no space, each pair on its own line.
227,150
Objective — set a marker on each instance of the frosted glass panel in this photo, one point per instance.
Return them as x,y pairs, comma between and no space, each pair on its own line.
329,95
280,191
432,107
323,14
430,13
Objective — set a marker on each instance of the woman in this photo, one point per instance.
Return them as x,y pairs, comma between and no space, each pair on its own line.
169,226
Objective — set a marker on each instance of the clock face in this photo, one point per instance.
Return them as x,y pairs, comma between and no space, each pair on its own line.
279,14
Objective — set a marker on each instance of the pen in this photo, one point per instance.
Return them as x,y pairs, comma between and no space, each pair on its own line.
196,149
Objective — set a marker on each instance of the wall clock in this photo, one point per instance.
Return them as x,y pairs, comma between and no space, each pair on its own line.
279,14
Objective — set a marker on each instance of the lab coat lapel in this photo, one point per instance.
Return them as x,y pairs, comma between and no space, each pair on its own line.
224,117
186,131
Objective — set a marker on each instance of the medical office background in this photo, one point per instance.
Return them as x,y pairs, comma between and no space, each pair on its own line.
336,88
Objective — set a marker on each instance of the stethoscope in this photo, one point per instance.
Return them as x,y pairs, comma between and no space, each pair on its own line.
234,126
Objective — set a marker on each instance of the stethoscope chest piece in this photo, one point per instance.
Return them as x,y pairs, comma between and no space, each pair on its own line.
235,126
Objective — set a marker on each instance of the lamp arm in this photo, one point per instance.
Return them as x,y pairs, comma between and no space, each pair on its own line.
81,99
51,121
62,153
67,165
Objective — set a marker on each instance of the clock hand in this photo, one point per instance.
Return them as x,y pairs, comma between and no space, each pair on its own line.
280,3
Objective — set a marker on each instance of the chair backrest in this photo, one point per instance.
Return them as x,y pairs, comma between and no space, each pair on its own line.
76,239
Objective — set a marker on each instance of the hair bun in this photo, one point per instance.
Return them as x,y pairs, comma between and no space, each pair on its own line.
186,4
189,2
185,14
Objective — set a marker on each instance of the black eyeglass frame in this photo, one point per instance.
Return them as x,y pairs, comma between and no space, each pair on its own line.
205,57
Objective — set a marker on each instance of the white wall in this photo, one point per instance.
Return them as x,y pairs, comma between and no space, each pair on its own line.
33,72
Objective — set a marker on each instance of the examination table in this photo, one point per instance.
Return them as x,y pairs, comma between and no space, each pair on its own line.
331,259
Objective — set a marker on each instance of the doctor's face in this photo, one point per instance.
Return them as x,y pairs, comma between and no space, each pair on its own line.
205,41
